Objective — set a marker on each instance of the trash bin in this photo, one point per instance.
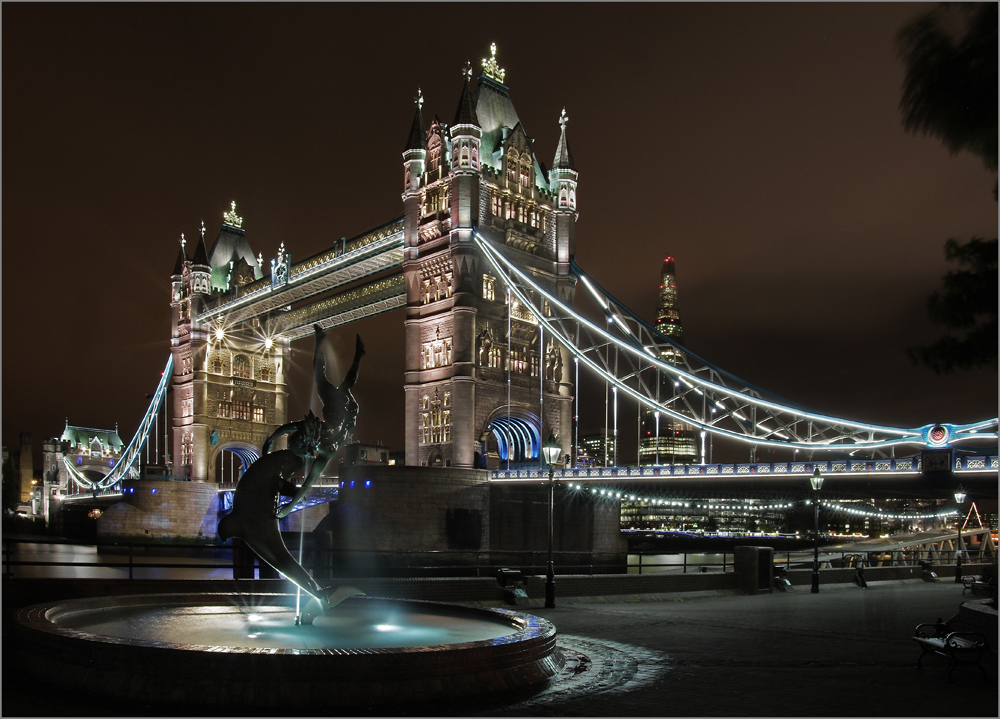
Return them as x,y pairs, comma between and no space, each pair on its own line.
781,578
927,573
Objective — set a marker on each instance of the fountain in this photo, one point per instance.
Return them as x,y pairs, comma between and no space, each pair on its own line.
342,649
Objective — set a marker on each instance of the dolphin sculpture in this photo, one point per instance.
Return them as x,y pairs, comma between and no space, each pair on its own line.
256,501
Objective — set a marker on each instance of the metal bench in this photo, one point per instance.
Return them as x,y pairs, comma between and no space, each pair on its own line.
975,584
957,647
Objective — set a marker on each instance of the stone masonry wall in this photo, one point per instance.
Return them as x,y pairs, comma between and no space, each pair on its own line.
162,510
411,508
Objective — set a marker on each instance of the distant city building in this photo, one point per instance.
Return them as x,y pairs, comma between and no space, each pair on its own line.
664,439
362,454
596,450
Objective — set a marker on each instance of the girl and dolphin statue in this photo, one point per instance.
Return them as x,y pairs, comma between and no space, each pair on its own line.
256,501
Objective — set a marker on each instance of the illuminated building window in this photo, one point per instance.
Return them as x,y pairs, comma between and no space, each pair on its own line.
435,420
258,414
496,357
434,155
241,366
427,291
436,354
464,155
572,198
241,409
497,205
563,197
96,448
186,449
475,157
265,374
525,172
489,287
225,409
216,366
512,166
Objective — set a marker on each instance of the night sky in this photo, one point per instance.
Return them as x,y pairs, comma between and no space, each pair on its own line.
760,145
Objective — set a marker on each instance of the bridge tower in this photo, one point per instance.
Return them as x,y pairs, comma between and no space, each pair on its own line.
484,386
228,380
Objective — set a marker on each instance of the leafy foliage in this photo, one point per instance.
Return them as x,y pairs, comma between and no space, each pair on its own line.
968,304
950,90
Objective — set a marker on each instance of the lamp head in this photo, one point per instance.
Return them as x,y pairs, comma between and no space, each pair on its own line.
960,495
551,450
816,480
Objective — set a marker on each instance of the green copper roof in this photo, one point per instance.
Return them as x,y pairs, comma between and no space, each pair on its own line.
230,246
78,436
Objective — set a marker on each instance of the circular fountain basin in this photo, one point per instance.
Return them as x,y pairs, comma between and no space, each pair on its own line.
246,651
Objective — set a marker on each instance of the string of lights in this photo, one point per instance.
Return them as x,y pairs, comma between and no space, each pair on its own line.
874,512
868,512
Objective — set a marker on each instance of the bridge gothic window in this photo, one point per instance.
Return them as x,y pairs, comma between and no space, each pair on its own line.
96,448
525,172
435,419
489,287
265,374
216,365
187,446
497,205
512,167
258,414
241,367
241,409
436,354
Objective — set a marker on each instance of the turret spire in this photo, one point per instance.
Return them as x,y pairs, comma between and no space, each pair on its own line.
564,158
466,112
418,136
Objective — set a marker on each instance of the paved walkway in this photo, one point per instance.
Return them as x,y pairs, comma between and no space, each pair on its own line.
842,652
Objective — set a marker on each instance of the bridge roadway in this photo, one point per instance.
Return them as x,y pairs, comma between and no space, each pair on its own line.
890,477
379,252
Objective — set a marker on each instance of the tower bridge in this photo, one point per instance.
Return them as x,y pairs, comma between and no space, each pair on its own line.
481,264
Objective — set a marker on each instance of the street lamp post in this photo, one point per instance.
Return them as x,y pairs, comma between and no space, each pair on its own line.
551,451
959,498
817,483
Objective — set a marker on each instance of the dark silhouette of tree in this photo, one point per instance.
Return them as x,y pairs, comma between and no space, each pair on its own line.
950,92
968,304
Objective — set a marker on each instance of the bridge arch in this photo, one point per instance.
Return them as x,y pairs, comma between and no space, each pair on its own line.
516,434
245,452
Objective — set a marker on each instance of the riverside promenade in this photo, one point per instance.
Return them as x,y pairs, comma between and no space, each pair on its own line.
842,652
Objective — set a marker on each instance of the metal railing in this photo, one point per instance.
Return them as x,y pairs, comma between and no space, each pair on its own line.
327,562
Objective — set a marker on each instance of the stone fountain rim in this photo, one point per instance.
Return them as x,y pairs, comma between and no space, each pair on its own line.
42,617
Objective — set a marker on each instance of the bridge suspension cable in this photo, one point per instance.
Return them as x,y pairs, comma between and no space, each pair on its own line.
632,356
127,465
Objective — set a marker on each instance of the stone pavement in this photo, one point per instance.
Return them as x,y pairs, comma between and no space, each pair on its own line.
842,652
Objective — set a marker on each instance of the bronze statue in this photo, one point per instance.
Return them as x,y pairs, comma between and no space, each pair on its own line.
313,442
